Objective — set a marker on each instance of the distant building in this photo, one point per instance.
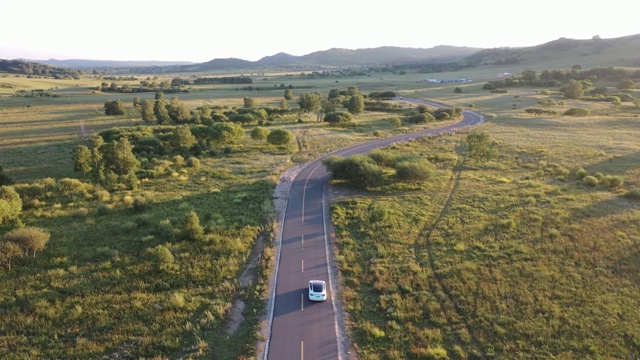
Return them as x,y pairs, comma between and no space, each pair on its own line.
503,74
456,80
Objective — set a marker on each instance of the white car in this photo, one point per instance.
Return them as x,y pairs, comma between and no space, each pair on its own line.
317,290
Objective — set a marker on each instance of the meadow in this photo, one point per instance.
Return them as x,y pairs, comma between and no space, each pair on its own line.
514,258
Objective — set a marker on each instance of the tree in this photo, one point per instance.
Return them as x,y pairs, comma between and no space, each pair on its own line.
259,133
356,104
178,111
163,257
159,96
309,102
147,112
114,107
8,252
183,139
29,238
626,84
288,95
10,204
96,141
280,137
226,133
481,147
574,89
82,159
249,102
136,101
119,158
161,112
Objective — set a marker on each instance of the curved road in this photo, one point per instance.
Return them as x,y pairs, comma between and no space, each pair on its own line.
298,328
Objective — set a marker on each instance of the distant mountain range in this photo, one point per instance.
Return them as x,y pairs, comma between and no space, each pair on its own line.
332,58
623,52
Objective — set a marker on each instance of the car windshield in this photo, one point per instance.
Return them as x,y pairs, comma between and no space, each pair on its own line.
316,287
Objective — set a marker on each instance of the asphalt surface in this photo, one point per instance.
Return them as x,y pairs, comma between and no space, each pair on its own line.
299,328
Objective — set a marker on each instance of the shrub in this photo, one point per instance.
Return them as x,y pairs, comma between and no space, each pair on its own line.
580,173
29,238
193,162
415,171
8,252
612,181
383,157
420,118
359,170
163,257
177,160
280,137
104,209
10,204
590,180
260,133
80,212
633,194
578,112
337,117
140,203
192,228
395,122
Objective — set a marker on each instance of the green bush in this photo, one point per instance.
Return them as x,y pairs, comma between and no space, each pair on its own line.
359,170
280,137
415,171
192,228
260,133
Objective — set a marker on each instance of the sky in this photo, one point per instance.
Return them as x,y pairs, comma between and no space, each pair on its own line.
203,30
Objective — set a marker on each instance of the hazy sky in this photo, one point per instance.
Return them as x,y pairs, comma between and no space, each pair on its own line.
202,30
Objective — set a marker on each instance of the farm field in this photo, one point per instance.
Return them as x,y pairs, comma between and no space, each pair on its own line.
517,257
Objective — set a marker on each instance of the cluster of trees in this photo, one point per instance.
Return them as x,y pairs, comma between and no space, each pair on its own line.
146,86
119,157
111,163
220,80
367,171
35,69
577,82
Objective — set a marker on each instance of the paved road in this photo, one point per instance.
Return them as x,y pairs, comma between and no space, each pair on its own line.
301,329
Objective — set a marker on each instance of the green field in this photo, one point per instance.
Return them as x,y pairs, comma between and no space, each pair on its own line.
515,258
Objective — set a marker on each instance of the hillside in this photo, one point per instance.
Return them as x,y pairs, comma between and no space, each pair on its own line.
564,53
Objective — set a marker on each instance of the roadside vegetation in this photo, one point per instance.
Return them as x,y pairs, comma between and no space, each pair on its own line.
127,217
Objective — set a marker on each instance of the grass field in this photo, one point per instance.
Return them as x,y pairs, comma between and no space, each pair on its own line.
515,258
